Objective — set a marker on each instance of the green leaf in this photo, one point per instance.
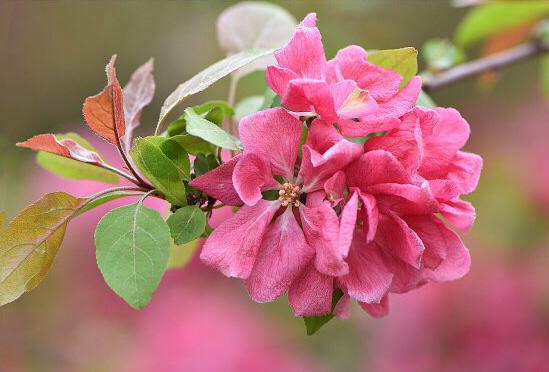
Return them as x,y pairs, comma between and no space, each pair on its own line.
424,100
2,221
187,224
487,20
314,323
105,199
180,255
441,54
403,61
204,164
206,78
73,169
200,127
194,145
165,164
30,242
133,246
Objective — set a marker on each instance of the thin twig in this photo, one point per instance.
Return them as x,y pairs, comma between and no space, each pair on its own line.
121,173
491,63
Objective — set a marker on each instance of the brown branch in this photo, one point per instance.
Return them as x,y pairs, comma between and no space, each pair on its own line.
494,62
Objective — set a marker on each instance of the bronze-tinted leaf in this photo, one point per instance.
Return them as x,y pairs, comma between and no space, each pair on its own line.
63,147
138,93
30,242
104,112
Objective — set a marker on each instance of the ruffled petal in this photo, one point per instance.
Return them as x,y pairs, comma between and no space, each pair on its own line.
465,171
443,242
283,254
442,141
304,53
368,279
376,167
232,247
279,78
350,63
310,96
461,214
377,310
251,176
398,239
370,216
334,187
360,128
395,107
321,227
311,293
218,183
347,222
273,135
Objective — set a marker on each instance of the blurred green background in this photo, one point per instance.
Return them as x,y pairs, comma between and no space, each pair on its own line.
52,55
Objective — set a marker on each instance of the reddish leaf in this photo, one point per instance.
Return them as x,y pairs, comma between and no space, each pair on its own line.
66,147
104,112
138,93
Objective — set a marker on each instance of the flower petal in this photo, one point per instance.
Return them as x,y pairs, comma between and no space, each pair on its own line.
304,53
350,63
321,227
397,238
440,240
347,223
274,135
370,215
465,171
368,279
311,293
283,254
376,167
232,247
218,183
377,310
279,78
251,176
461,214
307,95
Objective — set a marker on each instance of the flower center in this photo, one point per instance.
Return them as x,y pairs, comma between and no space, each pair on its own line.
289,194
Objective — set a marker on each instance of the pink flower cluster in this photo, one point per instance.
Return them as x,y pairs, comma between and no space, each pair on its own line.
327,212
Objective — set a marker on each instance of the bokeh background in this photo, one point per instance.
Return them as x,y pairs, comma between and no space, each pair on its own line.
52,55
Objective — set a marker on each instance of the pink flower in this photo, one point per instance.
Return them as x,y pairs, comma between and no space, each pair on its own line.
361,97
269,242
428,144
402,180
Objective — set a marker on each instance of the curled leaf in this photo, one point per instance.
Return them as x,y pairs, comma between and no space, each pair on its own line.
30,242
104,112
138,93
206,78
70,156
63,147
